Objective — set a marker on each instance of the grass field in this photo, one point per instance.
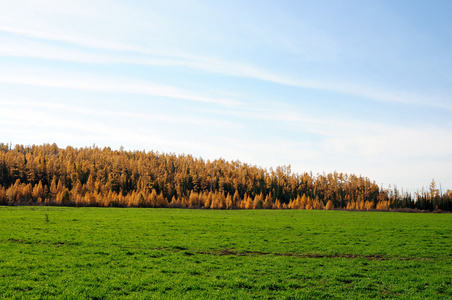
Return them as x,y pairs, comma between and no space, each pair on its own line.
104,253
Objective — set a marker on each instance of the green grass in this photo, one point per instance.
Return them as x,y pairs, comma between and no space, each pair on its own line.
105,253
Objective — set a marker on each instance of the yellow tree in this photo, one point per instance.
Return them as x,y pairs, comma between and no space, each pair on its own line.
208,201
248,202
257,203
268,202
193,200
53,188
329,205
38,191
236,198
277,204
229,203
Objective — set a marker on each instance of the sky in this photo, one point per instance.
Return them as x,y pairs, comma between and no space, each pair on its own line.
362,87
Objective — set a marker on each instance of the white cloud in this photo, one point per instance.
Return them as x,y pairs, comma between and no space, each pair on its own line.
59,79
121,51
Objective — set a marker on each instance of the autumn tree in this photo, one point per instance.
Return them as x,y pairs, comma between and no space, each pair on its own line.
46,174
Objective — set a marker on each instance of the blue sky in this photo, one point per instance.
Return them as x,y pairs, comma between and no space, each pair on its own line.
360,87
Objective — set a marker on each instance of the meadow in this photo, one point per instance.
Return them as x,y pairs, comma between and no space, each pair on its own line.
148,253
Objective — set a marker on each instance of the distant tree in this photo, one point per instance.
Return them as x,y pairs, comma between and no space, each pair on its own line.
106,177
329,205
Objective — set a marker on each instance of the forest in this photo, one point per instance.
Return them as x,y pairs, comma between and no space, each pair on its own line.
91,176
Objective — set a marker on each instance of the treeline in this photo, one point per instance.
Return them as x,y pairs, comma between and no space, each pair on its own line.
48,175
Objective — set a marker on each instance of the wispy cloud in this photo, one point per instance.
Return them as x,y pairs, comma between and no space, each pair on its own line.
33,36
59,79
24,48
13,106
353,137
